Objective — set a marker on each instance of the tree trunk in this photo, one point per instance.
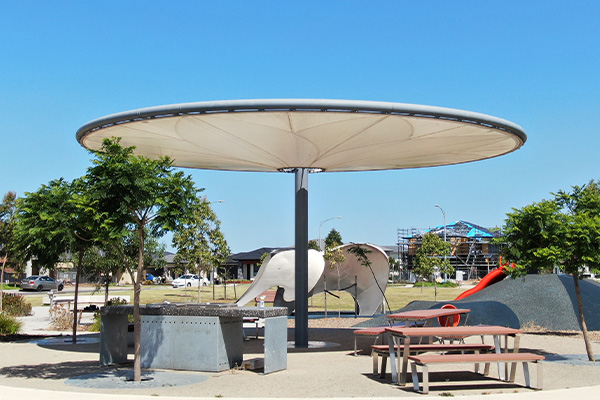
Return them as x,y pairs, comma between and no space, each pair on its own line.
199,286
79,261
137,325
106,285
586,339
2,281
338,290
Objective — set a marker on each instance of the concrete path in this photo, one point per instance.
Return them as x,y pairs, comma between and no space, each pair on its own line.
46,369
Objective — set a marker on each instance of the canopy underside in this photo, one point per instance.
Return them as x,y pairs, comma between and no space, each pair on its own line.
331,141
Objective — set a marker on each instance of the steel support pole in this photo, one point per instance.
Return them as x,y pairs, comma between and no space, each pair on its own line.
301,247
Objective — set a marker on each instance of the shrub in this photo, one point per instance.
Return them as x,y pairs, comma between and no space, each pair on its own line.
447,284
9,324
61,319
15,305
116,301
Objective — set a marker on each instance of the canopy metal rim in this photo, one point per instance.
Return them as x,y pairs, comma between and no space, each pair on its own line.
301,105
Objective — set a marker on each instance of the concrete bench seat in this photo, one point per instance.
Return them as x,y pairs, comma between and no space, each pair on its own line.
425,360
383,351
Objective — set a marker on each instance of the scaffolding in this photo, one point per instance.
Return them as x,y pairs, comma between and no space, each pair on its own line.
472,254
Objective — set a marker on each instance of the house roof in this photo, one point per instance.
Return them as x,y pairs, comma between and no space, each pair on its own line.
461,229
250,255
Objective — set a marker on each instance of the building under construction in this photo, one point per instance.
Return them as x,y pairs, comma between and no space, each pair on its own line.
472,253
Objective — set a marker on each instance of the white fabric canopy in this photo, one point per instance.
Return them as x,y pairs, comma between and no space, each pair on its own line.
331,136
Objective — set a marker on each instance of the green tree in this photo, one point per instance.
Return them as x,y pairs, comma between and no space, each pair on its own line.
334,254
313,244
431,258
394,268
333,239
362,254
199,241
563,232
102,265
107,259
7,227
54,223
136,194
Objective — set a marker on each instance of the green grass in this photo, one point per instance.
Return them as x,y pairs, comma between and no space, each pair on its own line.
9,286
398,296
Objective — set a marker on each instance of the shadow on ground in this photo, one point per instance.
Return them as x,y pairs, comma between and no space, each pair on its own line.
58,371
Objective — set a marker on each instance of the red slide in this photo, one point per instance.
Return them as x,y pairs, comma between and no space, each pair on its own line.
491,278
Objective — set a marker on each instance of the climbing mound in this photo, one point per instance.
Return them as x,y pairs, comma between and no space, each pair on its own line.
545,301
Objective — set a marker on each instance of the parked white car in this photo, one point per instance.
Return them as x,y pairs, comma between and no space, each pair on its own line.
189,280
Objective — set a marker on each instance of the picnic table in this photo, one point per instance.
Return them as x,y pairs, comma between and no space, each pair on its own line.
448,315
400,340
429,316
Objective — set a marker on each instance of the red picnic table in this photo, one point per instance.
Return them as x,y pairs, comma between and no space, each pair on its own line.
445,316
404,336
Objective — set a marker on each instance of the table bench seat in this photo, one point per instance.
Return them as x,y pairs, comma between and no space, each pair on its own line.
487,358
383,351
269,297
377,332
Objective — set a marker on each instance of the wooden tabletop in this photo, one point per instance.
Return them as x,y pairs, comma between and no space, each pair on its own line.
453,331
420,315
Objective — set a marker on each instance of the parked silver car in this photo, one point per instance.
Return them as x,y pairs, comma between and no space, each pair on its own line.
40,282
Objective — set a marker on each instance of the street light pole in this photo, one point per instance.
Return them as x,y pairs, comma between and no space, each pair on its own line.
320,225
444,214
213,272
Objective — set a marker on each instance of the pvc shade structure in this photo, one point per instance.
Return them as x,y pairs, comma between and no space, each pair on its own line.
302,136
325,135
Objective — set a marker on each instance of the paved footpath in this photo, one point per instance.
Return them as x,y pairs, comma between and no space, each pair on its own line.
53,369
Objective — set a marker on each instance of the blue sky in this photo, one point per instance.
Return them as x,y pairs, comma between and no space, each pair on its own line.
537,64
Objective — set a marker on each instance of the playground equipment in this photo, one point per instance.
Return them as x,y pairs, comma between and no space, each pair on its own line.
494,276
365,284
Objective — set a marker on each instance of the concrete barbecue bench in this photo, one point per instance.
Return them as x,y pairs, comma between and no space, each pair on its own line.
198,337
425,360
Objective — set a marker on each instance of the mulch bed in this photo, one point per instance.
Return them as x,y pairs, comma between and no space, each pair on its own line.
19,337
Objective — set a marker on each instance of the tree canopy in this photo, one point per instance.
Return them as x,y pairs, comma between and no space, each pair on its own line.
7,229
51,223
199,241
333,239
563,233
431,257
139,195
57,222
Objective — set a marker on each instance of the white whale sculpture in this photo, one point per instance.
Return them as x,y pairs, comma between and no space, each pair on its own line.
278,270
371,281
